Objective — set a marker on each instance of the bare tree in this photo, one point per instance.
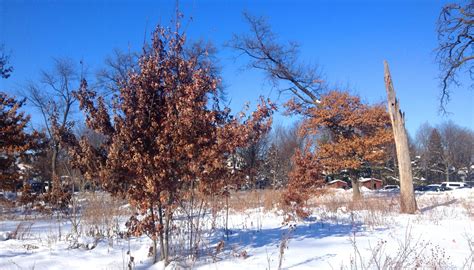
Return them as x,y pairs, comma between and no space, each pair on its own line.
458,149
422,139
253,160
422,136
446,151
119,64
279,61
282,146
456,45
5,68
115,72
53,97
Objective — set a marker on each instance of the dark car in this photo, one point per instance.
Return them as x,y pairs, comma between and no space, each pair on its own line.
432,187
422,188
467,185
37,187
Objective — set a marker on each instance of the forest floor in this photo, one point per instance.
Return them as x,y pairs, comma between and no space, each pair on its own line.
338,234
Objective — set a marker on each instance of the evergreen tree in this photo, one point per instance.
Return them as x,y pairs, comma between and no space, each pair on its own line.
434,156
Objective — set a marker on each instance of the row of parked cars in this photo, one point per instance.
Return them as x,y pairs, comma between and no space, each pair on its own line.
434,187
443,186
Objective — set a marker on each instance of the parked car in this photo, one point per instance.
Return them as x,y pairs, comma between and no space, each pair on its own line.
421,188
470,184
37,187
453,185
391,187
433,187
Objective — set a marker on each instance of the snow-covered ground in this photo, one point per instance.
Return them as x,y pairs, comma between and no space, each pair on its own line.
337,235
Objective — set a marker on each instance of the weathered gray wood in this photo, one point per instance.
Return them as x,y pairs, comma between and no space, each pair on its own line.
356,195
407,195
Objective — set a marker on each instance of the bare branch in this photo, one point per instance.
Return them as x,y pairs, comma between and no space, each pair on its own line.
279,61
116,71
5,68
455,52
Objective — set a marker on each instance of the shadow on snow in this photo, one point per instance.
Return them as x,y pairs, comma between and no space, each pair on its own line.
309,230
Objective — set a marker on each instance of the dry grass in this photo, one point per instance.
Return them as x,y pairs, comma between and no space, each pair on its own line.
102,214
374,211
269,199
22,231
7,209
411,253
333,201
327,204
383,205
330,200
436,208
468,206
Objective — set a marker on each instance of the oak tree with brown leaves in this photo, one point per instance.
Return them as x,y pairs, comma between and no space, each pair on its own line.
356,135
166,136
357,132
15,142
303,180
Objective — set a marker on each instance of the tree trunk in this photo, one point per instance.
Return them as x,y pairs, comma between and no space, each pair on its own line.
154,250
54,175
162,242
355,189
227,217
54,161
407,195
167,238
154,247
191,219
447,172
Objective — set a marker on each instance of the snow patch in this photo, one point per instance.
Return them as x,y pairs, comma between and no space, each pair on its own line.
4,236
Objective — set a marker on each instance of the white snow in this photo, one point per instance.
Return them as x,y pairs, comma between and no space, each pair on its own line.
328,239
4,236
336,181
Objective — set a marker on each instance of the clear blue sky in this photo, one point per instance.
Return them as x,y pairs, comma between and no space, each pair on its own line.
348,39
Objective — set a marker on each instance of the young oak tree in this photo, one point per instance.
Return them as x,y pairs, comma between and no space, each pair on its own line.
357,134
15,142
305,176
166,135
